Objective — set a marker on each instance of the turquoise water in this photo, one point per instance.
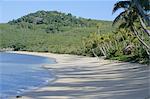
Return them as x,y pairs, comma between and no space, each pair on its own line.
20,73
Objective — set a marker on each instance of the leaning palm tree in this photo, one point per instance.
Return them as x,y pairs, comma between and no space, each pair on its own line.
134,13
143,7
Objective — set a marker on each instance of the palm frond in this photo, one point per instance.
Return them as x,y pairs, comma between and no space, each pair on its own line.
121,4
123,25
145,4
120,16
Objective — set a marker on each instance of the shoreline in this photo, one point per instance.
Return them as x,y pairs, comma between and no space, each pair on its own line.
49,56
73,70
30,89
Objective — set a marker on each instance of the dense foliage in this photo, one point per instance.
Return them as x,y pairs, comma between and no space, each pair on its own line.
131,41
52,31
135,18
121,45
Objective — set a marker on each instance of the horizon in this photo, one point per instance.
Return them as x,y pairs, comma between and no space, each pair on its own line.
98,10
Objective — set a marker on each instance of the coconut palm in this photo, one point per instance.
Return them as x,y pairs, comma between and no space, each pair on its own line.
134,13
143,7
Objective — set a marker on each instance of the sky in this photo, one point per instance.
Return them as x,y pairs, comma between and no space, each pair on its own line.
94,9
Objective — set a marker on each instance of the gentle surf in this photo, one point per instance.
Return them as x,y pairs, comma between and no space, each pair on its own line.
20,73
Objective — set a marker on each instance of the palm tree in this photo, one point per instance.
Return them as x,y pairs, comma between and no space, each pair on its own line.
143,7
135,11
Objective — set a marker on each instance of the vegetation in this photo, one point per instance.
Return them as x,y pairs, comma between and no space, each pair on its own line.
130,42
136,19
53,21
120,45
52,31
133,18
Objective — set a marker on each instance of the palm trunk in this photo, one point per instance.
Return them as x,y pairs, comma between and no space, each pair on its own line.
139,38
140,9
95,54
103,51
144,26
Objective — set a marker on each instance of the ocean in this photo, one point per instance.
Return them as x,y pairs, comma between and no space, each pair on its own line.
20,73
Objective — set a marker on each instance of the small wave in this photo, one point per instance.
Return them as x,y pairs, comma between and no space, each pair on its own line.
19,78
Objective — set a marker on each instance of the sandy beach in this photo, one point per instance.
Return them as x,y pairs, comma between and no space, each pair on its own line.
79,77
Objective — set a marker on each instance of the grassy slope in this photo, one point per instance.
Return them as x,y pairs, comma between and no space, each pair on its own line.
64,35
69,41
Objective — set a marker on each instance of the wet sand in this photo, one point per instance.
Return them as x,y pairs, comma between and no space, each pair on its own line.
79,77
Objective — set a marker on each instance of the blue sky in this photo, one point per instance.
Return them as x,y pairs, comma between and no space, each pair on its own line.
94,9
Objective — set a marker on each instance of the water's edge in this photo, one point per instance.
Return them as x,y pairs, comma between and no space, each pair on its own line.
38,87
50,80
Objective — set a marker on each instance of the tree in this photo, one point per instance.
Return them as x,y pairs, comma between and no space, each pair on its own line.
143,6
135,12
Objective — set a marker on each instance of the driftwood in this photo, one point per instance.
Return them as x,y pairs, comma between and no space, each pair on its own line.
128,49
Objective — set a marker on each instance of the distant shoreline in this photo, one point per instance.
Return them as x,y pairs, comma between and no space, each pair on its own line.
6,49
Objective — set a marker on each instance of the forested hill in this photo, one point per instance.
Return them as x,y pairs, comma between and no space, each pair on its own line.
53,21
56,32
53,17
51,31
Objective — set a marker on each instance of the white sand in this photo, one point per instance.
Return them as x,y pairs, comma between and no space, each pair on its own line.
80,77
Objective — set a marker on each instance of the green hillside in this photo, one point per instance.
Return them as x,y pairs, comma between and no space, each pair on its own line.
54,22
56,32
50,31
